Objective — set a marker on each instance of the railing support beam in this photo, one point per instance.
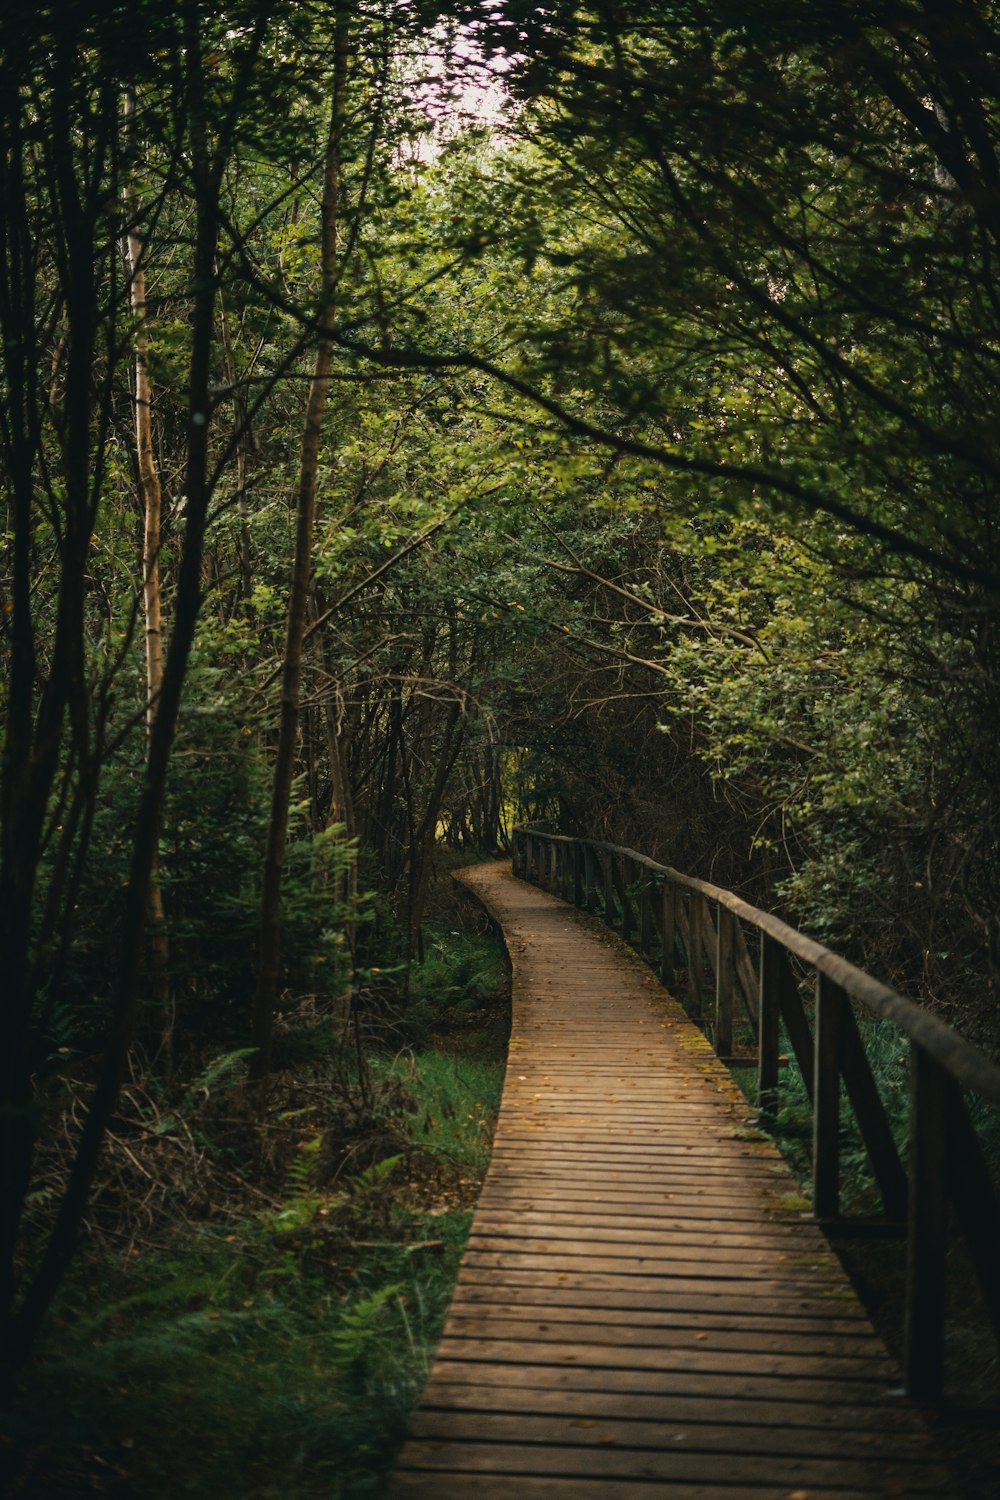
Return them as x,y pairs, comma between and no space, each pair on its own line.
769,1025
669,898
724,982
827,1054
927,1227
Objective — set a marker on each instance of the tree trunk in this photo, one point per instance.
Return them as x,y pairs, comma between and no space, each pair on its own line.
151,498
269,924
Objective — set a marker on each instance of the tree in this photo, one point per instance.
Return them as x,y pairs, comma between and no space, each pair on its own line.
61,305
268,957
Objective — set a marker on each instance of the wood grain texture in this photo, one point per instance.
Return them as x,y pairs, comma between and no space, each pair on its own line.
643,1309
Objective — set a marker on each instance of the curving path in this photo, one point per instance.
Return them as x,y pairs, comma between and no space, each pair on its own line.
642,1310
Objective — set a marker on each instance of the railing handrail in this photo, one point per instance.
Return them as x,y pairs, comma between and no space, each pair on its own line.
960,1058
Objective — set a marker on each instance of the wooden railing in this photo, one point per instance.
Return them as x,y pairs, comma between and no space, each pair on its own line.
744,971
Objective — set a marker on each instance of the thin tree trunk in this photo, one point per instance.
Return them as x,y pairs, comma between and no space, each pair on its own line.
243,449
345,895
269,925
341,812
151,497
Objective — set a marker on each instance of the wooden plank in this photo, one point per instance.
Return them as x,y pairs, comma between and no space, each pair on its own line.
440,1484
663,1433
675,1190
705,1384
671,1262
543,1304
802,1421
658,1167
704,1358
611,1462
800,1237
663,1290
642,1222
733,1212
842,1352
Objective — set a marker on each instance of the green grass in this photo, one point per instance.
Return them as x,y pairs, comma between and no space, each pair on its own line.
455,1099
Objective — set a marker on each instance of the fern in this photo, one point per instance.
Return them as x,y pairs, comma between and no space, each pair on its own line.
373,1177
202,1088
303,1201
362,1324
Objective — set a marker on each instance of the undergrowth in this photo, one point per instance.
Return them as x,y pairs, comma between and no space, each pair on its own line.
275,1344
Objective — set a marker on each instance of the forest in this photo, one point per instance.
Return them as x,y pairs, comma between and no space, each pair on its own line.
418,419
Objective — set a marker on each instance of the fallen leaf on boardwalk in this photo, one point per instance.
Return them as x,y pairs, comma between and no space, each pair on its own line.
581,1422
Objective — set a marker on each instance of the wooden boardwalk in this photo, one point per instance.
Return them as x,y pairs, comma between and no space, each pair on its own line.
642,1309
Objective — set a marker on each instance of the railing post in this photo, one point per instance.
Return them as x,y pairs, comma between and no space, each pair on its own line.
590,878
553,862
769,1020
645,920
609,889
698,919
926,1237
827,1051
579,882
669,897
724,980
626,902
